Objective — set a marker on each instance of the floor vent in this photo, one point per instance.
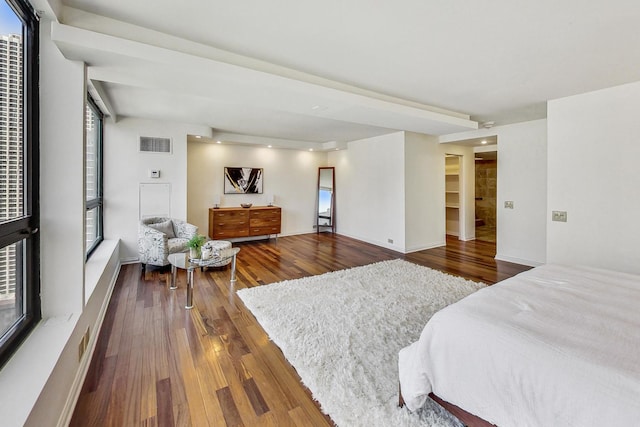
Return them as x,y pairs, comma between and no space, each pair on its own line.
151,144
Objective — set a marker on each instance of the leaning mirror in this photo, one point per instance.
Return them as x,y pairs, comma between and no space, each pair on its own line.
325,218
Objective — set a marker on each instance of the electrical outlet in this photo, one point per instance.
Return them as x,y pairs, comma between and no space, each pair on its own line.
84,343
560,216
389,240
508,204
81,348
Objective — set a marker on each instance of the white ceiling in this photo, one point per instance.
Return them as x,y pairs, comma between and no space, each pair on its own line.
339,70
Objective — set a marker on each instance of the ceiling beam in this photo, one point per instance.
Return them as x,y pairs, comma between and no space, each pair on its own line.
137,64
104,99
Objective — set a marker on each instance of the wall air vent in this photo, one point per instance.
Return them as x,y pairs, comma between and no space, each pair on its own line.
152,144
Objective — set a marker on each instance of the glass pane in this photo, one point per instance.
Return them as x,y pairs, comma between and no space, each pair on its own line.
11,285
91,226
11,107
92,129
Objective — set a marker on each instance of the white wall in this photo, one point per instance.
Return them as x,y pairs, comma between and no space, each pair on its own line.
290,175
370,190
62,98
424,192
593,175
522,178
125,168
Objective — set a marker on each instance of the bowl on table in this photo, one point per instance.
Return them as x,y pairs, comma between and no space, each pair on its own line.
246,205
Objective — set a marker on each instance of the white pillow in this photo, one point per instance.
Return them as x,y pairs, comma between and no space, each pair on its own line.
165,227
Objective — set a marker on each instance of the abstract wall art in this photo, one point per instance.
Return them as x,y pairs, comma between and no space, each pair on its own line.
243,180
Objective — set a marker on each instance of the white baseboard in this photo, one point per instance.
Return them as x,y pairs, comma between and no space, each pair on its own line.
297,233
518,260
264,236
397,248
83,369
374,242
129,260
425,247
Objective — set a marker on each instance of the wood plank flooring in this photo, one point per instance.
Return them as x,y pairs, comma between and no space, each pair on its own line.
158,364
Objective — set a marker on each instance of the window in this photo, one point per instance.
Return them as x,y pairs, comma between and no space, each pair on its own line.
19,213
93,175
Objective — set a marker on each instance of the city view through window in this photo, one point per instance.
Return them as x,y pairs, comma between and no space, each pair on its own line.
11,161
92,134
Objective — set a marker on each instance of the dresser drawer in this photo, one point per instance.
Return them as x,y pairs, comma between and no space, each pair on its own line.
260,231
236,215
230,222
230,225
266,214
218,234
264,222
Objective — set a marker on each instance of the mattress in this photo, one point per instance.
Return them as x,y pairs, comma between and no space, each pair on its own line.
553,346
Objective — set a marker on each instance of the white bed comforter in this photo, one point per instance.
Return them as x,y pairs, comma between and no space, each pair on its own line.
553,346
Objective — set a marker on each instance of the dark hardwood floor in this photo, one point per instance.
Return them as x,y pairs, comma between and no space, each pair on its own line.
158,364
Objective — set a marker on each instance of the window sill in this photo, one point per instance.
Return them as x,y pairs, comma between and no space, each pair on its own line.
97,264
25,375
48,351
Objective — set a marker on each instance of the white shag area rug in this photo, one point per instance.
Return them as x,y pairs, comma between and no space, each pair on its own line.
342,332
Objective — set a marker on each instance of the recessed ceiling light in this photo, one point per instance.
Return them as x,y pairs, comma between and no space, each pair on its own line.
218,142
269,146
198,136
337,149
484,141
310,149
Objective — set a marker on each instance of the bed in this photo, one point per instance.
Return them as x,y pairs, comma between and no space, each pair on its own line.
553,346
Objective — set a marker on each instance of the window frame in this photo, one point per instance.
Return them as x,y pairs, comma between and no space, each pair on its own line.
98,201
25,228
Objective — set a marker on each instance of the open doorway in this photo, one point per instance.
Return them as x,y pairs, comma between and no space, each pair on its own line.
486,170
471,178
452,194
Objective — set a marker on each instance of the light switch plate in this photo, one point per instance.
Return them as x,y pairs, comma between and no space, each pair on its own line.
560,216
508,204
154,173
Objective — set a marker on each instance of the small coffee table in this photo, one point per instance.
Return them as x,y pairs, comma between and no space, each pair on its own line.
181,260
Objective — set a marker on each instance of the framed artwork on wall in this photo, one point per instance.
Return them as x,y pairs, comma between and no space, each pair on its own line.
243,180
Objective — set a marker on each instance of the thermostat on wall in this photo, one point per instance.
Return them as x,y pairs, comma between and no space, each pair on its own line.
154,173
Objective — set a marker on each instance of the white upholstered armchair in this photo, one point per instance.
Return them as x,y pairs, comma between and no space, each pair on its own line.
159,237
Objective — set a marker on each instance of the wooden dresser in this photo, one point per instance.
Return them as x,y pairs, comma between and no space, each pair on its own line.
244,222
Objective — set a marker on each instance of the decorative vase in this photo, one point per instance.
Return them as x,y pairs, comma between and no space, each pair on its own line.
206,252
194,253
